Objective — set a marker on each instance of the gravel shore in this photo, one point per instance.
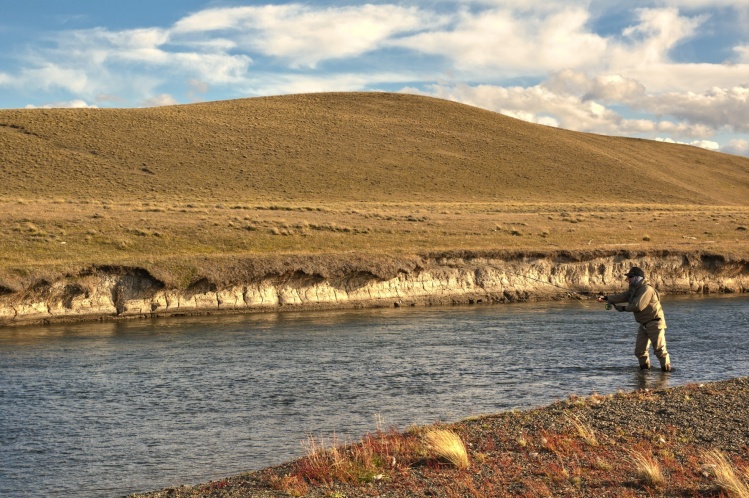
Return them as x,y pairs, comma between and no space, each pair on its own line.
581,446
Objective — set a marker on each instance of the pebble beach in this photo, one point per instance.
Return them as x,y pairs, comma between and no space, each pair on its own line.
582,446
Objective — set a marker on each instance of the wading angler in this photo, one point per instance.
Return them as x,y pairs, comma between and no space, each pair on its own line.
643,300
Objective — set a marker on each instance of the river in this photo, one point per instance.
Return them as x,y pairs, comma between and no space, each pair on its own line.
108,409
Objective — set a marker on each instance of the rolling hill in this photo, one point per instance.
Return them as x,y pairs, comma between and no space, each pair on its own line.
345,147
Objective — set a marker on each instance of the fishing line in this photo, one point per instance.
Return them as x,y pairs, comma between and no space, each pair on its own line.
177,350
573,294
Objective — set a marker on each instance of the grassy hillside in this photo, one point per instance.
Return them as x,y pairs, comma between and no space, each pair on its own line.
346,147
343,172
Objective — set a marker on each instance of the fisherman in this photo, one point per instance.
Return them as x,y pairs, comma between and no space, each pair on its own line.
644,301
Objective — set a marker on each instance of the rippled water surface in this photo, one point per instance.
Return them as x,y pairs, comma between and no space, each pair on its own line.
108,409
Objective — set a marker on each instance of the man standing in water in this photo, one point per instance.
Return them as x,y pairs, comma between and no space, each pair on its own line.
643,300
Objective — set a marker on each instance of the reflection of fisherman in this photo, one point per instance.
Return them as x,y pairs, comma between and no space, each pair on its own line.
644,301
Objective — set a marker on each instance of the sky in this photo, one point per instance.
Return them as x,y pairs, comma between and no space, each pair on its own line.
671,70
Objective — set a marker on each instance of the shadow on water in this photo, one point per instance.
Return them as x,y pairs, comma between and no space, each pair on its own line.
105,409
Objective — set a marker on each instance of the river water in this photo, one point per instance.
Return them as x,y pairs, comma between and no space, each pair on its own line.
107,409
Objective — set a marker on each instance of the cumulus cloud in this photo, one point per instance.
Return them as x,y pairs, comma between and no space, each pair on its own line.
698,4
605,87
272,84
317,34
507,44
704,144
573,76
198,86
737,146
714,109
159,100
73,104
99,62
743,53
658,31
569,110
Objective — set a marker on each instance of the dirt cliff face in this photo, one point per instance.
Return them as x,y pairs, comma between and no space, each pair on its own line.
434,279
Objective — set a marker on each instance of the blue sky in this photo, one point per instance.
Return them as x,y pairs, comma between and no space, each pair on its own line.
674,70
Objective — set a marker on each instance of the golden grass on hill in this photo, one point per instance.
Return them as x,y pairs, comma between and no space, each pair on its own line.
345,147
166,188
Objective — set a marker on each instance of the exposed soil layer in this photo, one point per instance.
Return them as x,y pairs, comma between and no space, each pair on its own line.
264,284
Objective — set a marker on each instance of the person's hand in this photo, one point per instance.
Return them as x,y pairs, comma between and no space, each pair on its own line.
601,299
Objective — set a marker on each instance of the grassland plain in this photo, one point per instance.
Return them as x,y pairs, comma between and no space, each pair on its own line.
177,190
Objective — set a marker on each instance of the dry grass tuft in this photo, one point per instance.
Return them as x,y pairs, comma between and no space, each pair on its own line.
584,431
647,468
448,445
374,458
726,477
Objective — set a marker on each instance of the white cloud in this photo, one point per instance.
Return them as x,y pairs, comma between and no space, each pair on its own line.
198,86
643,54
99,62
701,4
704,144
317,34
624,83
536,104
74,104
213,68
160,100
539,104
658,31
274,84
713,109
508,44
743,53
716,108
605,87
50,75
737,146
685,77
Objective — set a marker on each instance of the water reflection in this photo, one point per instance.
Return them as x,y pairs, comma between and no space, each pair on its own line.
104,409
652,379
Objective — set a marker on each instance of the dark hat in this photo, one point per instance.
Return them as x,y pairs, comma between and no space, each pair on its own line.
635,272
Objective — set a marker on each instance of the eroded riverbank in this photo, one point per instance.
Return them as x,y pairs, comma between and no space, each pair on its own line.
265,284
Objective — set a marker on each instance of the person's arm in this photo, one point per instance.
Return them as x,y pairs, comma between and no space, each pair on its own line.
617,298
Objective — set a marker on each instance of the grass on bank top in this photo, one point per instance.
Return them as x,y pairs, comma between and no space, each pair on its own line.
173,238
178,241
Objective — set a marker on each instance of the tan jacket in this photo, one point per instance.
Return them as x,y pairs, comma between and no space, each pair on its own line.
644,301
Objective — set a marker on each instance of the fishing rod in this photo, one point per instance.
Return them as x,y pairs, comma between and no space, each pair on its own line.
574,294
